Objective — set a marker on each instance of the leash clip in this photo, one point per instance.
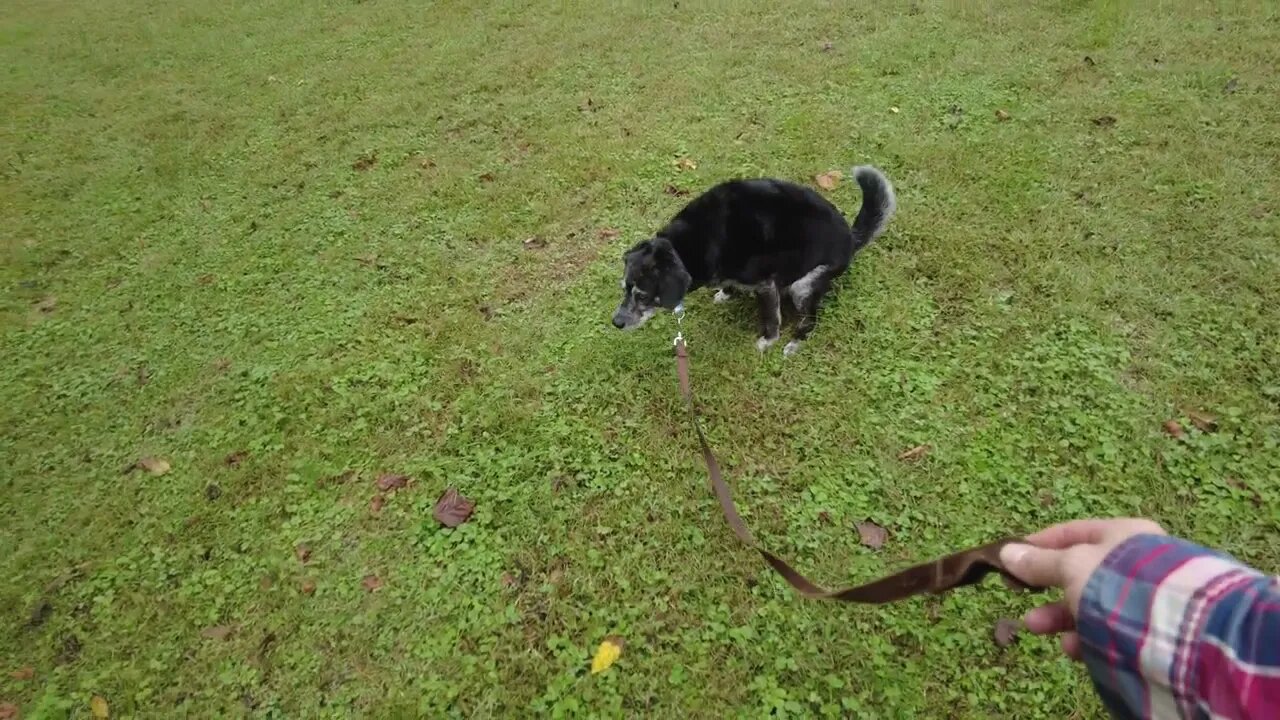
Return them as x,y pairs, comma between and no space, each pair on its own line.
679,313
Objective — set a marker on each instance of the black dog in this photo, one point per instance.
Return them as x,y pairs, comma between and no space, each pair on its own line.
768,237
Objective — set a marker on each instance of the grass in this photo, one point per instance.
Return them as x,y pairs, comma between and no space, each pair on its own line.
296,230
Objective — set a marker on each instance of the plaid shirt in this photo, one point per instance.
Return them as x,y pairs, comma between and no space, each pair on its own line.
1172,630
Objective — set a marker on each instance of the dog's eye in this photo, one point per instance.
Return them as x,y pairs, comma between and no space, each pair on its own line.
639,294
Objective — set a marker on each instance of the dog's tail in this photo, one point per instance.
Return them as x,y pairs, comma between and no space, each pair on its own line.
878,204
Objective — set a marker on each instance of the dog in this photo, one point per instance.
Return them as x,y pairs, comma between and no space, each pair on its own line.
771,238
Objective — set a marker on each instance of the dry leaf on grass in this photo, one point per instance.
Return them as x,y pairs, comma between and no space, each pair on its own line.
674,191
47,304
303,553
25,673
1104,120
686,164
1203,421
98,706
372,582
234,459
608,233
534,243
308,586
1006,632
391,481
872,535
1002,115
607,654
154,465
218,632
375,505
915,453
453,509
828,180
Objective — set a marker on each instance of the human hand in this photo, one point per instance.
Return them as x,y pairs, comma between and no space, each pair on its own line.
1064,556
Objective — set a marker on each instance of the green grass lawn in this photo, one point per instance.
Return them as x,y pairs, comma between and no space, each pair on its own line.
297,231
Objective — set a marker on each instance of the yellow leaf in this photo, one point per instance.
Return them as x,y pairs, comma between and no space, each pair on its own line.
98,706
607,654
828,180
154,465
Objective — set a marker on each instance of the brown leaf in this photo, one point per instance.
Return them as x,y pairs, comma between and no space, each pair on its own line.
221,365
8,711
392,481
234,459
1104,120
453,509
1203,421
1002,115
205,279
371,582
143,375
1259,212
1089,61
509,581
265,582
674,191
828,180
25,673
47,304
365,161
1047,499
218,632
872,535
686,164
827,46
608,233
303,553
1239,484
154,465
824,517
534,243
308,586
1174,429
915,453
1006,632
375,505
486,177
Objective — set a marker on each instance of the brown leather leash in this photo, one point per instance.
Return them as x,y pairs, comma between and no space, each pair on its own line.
966,567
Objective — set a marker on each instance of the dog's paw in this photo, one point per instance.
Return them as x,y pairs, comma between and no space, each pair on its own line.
721,296
764,343
792,348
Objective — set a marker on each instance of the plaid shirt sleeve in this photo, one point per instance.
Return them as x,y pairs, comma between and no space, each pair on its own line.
1170,629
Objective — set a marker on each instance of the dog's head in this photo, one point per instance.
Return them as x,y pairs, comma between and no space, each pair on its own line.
653,277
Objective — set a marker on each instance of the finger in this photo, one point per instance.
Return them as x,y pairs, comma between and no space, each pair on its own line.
1070,643
1064,535
1049,619
1034,566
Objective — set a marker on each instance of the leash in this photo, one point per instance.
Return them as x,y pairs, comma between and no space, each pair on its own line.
966,567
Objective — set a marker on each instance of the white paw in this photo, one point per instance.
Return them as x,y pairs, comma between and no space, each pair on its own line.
763,343
792,348
721,296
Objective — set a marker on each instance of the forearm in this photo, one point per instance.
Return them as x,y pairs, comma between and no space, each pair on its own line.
1171,629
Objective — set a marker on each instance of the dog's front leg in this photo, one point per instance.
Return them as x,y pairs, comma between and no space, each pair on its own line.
770,315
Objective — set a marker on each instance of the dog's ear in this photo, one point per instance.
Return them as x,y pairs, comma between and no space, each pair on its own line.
673,279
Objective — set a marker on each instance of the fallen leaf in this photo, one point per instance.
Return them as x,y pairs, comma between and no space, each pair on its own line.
453,509
824,517
391,481
265,582
828,180
608,233
8,711
1047,499
1002,115
371,582
1259,212
486,177
1006,632
1203,421
1104,120
686,164
1231,86
674,191
486,311
303,553
607,654
375,505
534,243
827,46
143,374
365,161
235,458
154,465
25,673
915,453
1089,61
871,534
47,304
1254,496
308,586
205,279
98,706
221,365
218,632
509,581
1174,429
894,109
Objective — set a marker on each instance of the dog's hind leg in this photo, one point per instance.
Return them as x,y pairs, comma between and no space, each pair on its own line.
808,301
770,315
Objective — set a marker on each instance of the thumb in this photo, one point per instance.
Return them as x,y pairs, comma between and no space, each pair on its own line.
1038,567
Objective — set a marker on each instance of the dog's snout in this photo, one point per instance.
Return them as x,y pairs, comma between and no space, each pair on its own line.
618,322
